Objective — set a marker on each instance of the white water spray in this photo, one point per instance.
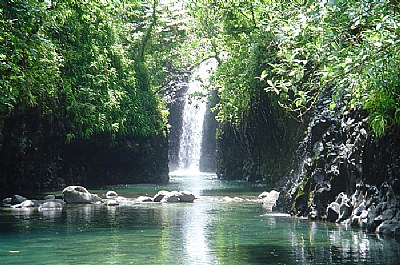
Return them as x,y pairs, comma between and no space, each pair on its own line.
194,110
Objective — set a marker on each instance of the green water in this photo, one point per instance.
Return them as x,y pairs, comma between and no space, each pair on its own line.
209,231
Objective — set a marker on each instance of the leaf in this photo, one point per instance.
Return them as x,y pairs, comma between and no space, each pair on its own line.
264,74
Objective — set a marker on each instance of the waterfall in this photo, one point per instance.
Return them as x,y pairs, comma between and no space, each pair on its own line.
195,106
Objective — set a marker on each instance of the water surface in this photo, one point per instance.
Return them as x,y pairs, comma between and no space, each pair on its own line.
211,230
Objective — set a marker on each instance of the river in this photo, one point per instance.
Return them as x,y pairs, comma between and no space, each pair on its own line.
212,230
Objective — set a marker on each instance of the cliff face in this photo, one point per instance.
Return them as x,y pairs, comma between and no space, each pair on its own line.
35,157
335,169
261,148
346,175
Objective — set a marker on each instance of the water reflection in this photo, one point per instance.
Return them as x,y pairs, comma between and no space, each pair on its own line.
196,236
51,215
209,231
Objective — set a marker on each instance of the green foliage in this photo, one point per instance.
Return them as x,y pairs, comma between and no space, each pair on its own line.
79,60
28,60
297,49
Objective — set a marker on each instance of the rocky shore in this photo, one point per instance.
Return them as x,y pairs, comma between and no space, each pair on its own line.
345,174
80,195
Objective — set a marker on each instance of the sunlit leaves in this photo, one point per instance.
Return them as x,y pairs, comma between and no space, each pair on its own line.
301,48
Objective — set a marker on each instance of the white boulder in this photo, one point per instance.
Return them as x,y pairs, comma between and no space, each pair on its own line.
79,194
269,198
24,204
111,194
174,196
144,199
160,195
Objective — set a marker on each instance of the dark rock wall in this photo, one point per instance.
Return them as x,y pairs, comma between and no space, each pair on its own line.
175,121
346,174
331,167
34,157
208,147
261,148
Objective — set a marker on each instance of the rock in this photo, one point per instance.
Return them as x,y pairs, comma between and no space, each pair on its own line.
355,221
112,202
17,199
371,213
7,201
160,195
313,214
24,204
386,215
363,224
51,205
372,221
397,232
269,198
186,196
344,212
171,197
357,211
341,198
144,199
271,195
79,194
381,207
111,194
49,197
388,227
364,214
333,211
234,199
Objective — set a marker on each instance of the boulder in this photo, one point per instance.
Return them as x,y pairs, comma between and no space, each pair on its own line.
51,206
344,211
397,232
171,197
7,201
24,204
79,194
372,221
358,210
111,194
17,199
342,198
333,212
186,196
268,199
386,215
144,199
160,195
388,227
49,197
272,195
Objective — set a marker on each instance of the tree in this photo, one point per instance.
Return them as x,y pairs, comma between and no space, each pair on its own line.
94,64
298,49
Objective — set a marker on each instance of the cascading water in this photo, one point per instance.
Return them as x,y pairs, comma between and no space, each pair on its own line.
193,118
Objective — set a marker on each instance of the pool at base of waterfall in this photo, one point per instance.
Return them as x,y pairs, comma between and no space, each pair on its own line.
215,229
